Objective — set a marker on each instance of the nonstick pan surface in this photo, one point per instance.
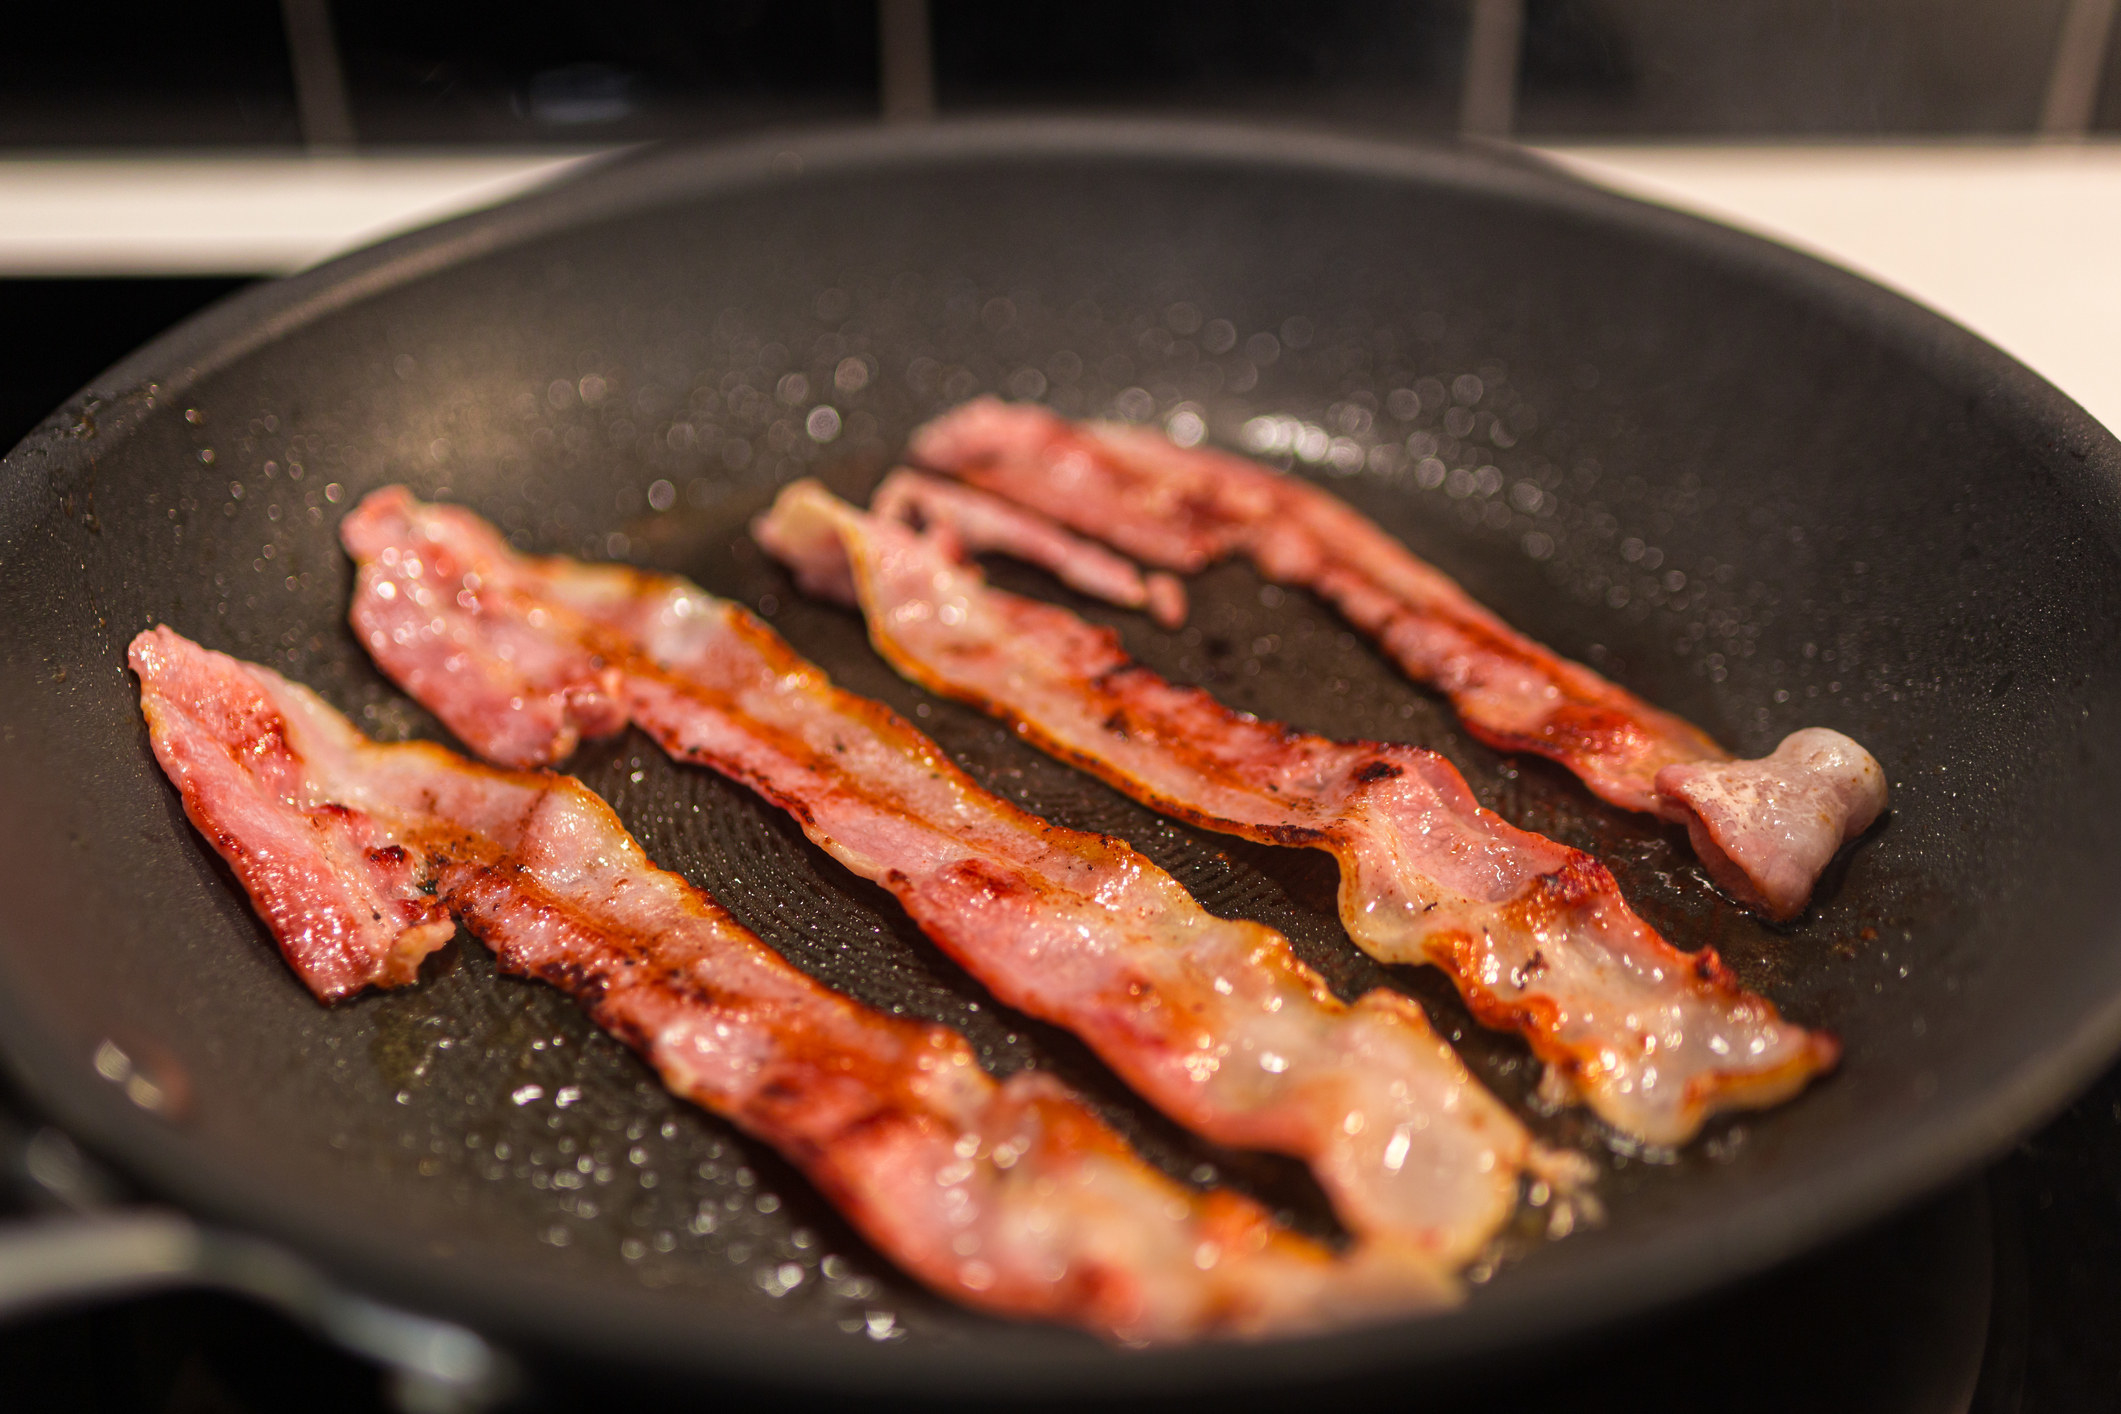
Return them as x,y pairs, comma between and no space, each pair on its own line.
1753,488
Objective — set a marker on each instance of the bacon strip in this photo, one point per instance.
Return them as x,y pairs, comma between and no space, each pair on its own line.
1214,1021
1764,829
981,523
1011,1196
341,895
1535,935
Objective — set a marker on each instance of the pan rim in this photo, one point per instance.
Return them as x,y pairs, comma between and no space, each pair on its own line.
520,1307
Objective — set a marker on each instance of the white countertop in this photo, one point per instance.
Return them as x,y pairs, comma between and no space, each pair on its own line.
236,214
2021,243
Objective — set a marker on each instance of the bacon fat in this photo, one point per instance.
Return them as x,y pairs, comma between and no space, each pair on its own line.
1010,1196
1536,935
1765,828
1215,1021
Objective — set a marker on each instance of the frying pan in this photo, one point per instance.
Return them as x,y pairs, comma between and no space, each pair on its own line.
1754,488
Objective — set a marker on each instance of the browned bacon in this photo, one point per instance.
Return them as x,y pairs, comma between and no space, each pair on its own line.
1765,829
1535,935
1213,1020
1008,1196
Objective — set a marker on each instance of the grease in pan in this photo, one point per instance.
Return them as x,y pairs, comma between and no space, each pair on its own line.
1213,1020
1009,1196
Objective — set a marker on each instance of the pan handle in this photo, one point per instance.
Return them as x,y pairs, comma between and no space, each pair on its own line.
103,1254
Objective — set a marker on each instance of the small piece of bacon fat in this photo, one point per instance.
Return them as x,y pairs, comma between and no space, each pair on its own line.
1183,508
1213,1020
1765,829
1009,1196
1535,935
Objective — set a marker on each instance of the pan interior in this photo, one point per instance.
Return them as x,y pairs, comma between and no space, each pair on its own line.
1745,501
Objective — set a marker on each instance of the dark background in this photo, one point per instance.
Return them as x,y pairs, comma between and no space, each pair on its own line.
388,75
220,73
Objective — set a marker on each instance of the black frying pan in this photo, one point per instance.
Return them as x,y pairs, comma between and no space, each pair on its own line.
1774,496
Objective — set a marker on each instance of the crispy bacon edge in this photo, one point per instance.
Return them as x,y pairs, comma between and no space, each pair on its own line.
1533,934
1011,1197
1078,929
1765,829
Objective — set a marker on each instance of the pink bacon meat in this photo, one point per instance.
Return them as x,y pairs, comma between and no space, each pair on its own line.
1009,1196
1764,829
341,894
1535,935
1215,1021
979,523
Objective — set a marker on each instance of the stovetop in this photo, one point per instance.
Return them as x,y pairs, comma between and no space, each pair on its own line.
2002,1296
